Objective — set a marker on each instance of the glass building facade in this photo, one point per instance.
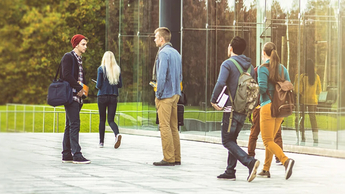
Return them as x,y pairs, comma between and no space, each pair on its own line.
303,30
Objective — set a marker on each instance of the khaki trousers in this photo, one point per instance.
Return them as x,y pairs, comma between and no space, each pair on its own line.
168,126
269,127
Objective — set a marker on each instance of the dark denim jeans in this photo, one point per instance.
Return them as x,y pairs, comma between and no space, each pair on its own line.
70,142
229,140
105,101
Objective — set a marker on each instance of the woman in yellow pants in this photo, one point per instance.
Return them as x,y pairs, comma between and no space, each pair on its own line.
268,74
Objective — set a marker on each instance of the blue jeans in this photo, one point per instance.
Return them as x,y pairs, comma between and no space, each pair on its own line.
229,141
70,142
105,101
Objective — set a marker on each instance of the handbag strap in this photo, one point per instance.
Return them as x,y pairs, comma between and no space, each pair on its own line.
58,70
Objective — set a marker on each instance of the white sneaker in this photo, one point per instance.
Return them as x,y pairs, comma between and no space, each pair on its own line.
101,145
117,141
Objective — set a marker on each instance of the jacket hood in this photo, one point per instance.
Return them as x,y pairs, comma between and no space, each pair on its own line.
244,61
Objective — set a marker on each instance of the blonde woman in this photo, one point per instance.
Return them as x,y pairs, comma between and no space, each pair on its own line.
108,83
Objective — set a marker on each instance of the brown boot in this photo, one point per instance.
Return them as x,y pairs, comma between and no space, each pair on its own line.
164,163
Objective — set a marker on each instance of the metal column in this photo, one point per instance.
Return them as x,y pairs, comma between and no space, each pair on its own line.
170,17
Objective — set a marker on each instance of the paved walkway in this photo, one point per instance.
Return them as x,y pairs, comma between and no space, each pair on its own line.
31,163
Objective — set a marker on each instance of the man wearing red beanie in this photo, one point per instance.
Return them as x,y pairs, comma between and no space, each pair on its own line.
72,72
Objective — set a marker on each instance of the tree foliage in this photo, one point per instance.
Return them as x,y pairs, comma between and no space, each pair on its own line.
129,33
36,34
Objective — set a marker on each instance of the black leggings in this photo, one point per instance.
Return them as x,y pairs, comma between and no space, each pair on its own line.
105,101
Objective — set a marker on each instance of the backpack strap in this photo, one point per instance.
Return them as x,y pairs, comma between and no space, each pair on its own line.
241,71
231,100
239,67
282,78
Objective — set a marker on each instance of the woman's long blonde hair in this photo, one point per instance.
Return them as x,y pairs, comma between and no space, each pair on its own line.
110,68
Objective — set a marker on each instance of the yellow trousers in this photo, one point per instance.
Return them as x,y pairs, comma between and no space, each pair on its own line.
269,127
168,126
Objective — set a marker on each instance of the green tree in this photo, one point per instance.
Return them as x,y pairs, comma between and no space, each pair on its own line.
37,33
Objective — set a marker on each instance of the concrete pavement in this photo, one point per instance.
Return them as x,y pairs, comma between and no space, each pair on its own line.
31,163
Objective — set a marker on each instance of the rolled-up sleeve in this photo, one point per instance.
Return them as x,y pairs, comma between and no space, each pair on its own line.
162,68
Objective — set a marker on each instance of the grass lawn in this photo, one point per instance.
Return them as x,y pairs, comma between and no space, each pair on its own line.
43,118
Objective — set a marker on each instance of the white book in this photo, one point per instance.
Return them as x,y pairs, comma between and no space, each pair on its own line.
222,98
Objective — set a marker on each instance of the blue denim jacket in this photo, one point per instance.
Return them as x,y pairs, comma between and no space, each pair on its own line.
103,85
169,73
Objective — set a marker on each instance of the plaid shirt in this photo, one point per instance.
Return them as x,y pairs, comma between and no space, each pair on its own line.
80,77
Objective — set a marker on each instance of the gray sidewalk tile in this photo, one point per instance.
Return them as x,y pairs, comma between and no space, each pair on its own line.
31,163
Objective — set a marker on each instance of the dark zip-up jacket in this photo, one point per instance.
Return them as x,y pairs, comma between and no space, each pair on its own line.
229,75
66,71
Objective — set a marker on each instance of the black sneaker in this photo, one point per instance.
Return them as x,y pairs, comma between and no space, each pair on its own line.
288,167
253,167
67,158
227,176
164,163
81,160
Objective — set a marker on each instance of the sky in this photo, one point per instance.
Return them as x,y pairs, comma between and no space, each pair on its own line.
286,5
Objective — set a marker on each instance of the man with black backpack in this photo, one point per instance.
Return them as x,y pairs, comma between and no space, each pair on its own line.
238,67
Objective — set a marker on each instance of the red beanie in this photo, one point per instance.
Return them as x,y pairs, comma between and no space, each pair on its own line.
76,39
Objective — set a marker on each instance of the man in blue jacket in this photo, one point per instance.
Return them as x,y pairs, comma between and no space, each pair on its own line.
228,76
167,71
